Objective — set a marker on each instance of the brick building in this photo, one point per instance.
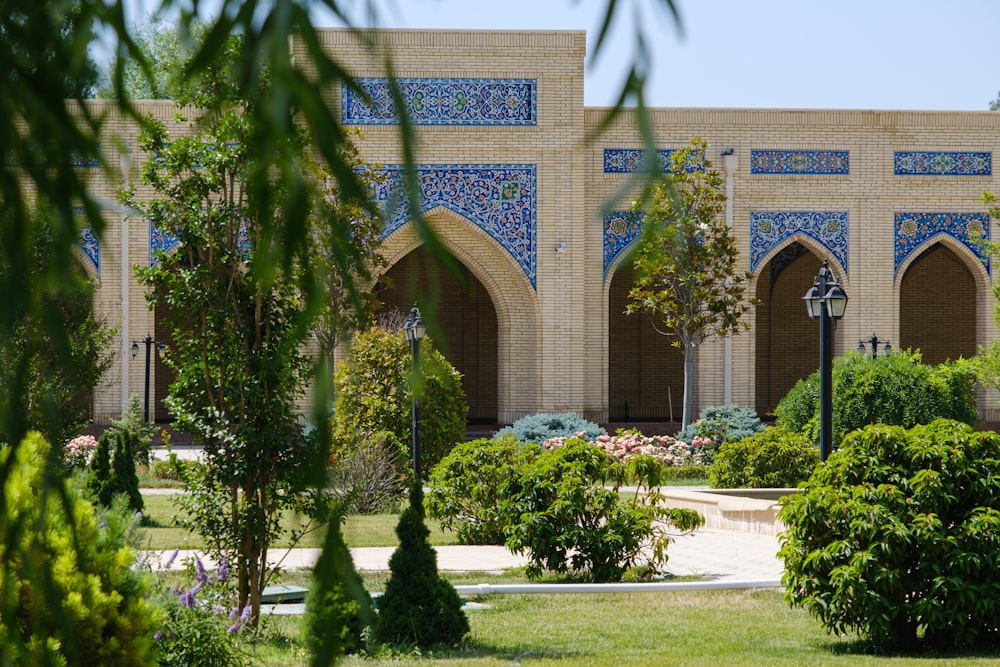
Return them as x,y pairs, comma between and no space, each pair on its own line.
518,195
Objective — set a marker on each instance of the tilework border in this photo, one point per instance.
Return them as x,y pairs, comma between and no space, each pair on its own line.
769,229
813,162
90,245
435,101
629,160
912,229
500,199
620,229
942,163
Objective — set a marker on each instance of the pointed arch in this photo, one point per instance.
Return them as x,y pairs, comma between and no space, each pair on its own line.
509,289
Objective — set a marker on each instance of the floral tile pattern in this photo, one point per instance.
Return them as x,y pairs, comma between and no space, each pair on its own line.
500,199
800,162
444,102
90,245
942,163
620,229
629,160
160,241
913,229
770,229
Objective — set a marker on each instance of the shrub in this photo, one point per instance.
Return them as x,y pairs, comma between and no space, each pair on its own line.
626,445
368,473
722,423
374,394
173,468
565,510
136,428
889,389
59,547
418,608
540,427
78,452
465,487
338,608
112,470
774,458
897,538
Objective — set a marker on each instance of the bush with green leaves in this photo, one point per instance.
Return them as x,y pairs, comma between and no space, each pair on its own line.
368,474
71,594
773,458
464,488
889,389
374,392
722,423
419,608
540,427
137,428
564,508
897,538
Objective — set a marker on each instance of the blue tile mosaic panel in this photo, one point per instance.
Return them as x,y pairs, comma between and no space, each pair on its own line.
827,163
770,229
942,163
913,229
620,229
629,160
160,241
444,102
86,161
500,199
90,245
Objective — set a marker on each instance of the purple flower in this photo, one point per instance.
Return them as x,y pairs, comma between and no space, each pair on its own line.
158,636
188,599
170,561
223,571
202,576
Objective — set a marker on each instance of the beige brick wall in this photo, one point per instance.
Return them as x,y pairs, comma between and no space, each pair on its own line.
554,351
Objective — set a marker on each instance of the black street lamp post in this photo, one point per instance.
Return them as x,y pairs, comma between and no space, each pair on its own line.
414,330
826,300
160,348
873,343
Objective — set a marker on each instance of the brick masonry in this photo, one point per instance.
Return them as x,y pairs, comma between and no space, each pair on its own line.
539,326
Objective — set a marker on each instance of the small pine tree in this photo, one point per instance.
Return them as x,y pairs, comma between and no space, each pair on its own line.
418,606
100,471
112,470
338,608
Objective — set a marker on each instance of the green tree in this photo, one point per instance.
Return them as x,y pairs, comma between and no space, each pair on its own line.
237,338
686,260
165,45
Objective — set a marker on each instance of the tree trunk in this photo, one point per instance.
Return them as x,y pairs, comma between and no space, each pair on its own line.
688,384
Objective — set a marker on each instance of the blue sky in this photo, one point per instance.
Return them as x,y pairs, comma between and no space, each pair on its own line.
853,54
825,54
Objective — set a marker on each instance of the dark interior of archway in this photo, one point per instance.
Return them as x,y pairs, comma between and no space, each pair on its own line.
787,340
937,307
163,374
645,372
466,322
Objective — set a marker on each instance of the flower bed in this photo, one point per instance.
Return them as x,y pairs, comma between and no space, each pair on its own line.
669,450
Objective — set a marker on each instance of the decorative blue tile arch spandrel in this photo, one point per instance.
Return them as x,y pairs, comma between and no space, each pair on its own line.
913,229
90,245
453,101
620,229
500,199
770,229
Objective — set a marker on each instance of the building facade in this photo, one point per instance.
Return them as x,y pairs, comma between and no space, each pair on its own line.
520,185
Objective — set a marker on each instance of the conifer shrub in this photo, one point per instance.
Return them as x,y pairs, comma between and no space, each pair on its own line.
897,537
543,426
464,488
338,608
112,470
418,608
374,393
60,548
722,423
773,458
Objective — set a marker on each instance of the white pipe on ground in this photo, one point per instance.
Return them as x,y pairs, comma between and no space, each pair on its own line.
652,587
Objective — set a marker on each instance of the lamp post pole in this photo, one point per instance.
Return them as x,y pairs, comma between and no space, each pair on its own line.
160,347
414,330
825,301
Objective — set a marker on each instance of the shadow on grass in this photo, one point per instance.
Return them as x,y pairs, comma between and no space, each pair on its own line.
857,647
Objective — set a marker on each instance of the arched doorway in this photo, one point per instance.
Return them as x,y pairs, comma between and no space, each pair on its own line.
787,341
937,306
645,372
466,317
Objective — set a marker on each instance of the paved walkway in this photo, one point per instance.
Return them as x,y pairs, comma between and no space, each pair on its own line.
713,554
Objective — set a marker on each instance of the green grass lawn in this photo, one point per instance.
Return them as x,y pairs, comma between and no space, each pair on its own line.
376,530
